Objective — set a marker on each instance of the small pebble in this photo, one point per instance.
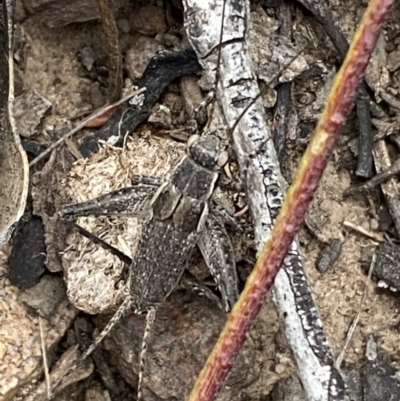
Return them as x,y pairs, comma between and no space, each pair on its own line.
148,20
123,25
138,56
374,224
279,368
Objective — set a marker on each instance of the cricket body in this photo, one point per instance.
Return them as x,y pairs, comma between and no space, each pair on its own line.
180,216
180,209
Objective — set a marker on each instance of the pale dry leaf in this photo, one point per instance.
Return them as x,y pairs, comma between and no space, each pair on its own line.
14,169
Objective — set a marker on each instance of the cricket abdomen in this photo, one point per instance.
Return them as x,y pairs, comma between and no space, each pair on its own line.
157,270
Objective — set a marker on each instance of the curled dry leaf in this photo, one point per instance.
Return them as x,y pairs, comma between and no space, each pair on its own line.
14,167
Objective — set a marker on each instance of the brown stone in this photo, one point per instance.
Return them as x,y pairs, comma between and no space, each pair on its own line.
148,20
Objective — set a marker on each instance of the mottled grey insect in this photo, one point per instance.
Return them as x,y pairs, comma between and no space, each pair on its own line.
180,214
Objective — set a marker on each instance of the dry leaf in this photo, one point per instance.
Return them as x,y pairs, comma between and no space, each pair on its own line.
14,169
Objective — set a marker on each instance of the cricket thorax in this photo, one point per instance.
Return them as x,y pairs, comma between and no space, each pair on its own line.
191,185
205,151
198,172
194,181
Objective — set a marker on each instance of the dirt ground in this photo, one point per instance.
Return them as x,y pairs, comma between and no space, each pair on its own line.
51,66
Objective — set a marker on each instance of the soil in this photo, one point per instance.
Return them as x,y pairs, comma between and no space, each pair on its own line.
52,68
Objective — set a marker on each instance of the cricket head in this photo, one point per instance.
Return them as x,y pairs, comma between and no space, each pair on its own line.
207,151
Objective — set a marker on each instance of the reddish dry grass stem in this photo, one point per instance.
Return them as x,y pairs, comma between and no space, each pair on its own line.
298,197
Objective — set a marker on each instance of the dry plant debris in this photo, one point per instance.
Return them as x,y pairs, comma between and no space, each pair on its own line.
29,109
53,70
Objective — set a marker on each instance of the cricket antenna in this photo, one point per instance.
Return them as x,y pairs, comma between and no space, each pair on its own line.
217,76
125,306
261,93
217,72
150,317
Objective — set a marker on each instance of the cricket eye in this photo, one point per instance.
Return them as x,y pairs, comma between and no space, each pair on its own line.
192,140
223,158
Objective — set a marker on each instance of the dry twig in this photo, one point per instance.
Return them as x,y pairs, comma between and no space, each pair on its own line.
92,117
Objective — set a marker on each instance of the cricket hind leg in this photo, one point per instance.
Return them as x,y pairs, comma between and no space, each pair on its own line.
220,212
216,248
133,201
190,280
123,308
146,180
126,304
127,202
150,318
